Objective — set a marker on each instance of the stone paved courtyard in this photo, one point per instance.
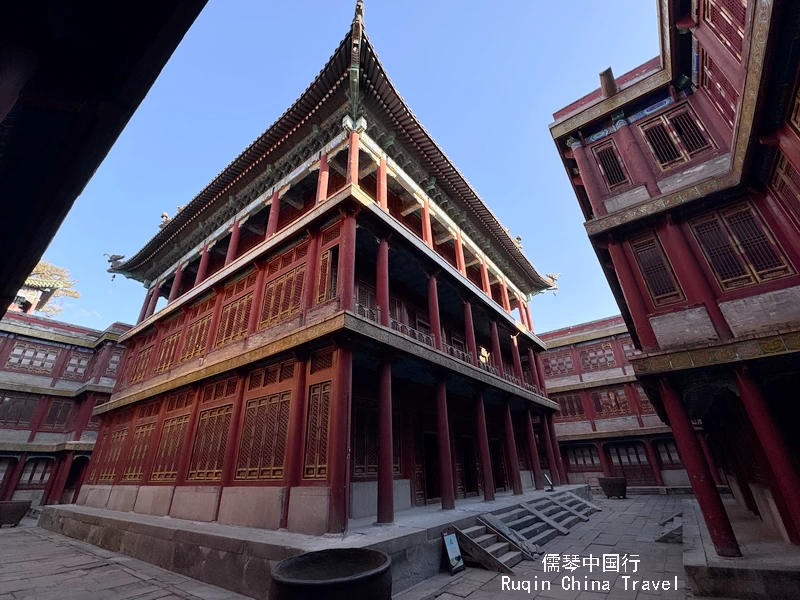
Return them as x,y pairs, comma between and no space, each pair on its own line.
39,565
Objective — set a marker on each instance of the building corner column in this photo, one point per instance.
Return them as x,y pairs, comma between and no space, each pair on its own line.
591,185
385,444
347,262
383,185
151,307
562,473
469,332
274,214
446,490
633,296
497,354
322,180
174,291
511,450
339,447
483,450
233,245
202,268
382,281
538,479
653,459
605,462
433,311
548,450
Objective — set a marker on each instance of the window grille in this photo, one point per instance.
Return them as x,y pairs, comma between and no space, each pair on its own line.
629,349
675,137
610,165
262,445
322,360
726,18
557,363
582,458
668,454
166,352
785,183
77,366
721,92
598,357
58,414
644,400
170,447
655,270
36,473
108,466
208,453
29,357
141,441
610,402
236,313
570,407
140,365
16,409
113,364
365,438
196,340
662,144
316,452
689,132
283,297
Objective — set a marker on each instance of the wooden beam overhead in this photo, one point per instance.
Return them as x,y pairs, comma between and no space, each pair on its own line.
409,208
443,237
368,170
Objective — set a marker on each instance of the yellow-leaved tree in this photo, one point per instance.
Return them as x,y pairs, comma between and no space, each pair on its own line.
57,281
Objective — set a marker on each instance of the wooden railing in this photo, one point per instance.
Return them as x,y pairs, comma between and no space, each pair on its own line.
412,333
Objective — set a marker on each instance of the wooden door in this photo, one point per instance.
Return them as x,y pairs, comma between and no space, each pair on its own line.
630,461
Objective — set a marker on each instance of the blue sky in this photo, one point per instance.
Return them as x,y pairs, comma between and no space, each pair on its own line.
483,77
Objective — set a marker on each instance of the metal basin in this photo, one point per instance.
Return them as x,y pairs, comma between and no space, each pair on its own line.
12,511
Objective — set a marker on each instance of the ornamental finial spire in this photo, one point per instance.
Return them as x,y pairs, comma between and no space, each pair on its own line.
355,56
359,15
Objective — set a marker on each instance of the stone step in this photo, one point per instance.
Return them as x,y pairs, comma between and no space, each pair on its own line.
523,522
533,530
512,515
571,521
511,558
561,515
544,537
551,510
498,549
486,540
474,532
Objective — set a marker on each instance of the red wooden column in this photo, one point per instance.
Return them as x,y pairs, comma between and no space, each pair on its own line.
427,231
233,246
517,360
548,449
540,373
469,332
202,269
339,446
605,463
347,262
778,455
446,489
383,185
274,214
719,526
54,494
530,317
433,311
11,480
486,285
382,281
151,308
295,437
483,450
633,296
497,355
234,433
461,264
322,180
523,312
634,158
691,275
588,177
504,296
709,458
556,449
653,460
385,444
352,158
145,304
511,450
538,479
176,284
534,370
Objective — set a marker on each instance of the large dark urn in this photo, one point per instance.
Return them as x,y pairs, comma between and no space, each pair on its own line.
12,511
338,574
613,486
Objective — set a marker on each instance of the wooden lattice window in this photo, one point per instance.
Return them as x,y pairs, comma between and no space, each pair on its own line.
675,137
108,468
30,357
557,364
570,407
36,473
316,452
283,297
726,18
739,247
656,270
262,446
16,409
597,357
113,364
611,165
629,349
238,298
322,360
365,439
328,274
610,402
58,414
644,401
208,453
166,352
785,183
668,454
219,390
77,366
720,90
583,458
366,301
179,401
170,446
140,364
142,435
197,332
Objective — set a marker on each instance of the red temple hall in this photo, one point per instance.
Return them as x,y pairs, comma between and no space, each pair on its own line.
336,327
686,170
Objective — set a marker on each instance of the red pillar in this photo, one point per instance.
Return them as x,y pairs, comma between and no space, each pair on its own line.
538,479
634,158
383,185
534,371
151,308
530,317
516,359
339,447
145,304
719,526
55,493
176,284
548,449
234,431
233,246
443,434
523,312
461,264
605,463
427,231
633,296
497,355
511,451
258,295
483,450
433,312
780,458
322,179
382,281
311,275
590,181
295,437
11,480
504,296
540,374
653,460
709,458
385,445
352,158
556,449
202,269
274,214
486,285
347,262
469,332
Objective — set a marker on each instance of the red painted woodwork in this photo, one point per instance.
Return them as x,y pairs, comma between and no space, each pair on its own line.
469,332
274,215
709,458
385,444
151,308
233,244
556,448
635,159
145,304
337,450
446,489
383,196
202,269
352,158
483,450
517,361
459,247
719,526
176,284
533,451
591,183
605,462
497,355
322,180
486,286
550,452
427,232
633,296
382,279
511,450
504,296
347,262
433,312
533,367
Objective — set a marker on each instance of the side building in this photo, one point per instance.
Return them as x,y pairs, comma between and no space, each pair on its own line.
686,170
606,425
337,327
52,375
